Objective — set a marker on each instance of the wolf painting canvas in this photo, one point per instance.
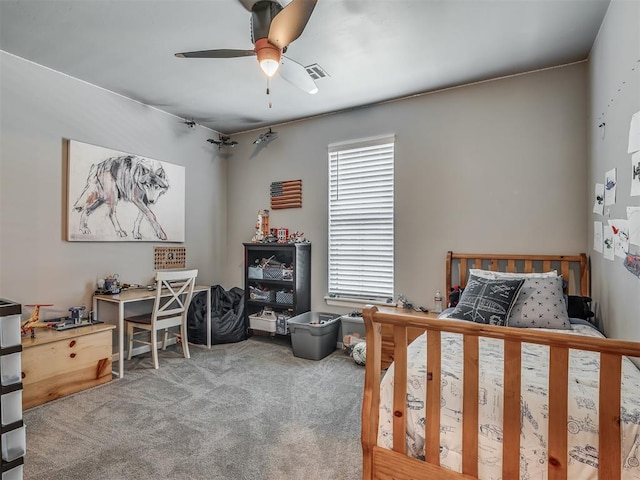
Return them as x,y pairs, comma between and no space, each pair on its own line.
118,196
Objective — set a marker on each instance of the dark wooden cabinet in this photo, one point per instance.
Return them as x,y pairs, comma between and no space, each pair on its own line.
281,292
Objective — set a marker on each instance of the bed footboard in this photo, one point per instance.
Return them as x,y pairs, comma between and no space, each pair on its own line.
381,463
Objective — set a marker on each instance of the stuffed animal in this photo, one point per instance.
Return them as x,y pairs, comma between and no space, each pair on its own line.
454,295
579,307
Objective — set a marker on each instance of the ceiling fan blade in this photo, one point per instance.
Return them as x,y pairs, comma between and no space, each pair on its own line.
297,75
219,53
248,4
290,22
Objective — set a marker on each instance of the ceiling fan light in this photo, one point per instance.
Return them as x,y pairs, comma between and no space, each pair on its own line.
269,66
268,56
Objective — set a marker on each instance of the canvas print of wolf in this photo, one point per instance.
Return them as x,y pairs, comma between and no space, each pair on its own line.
118,196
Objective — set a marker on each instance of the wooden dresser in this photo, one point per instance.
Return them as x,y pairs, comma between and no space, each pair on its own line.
56,364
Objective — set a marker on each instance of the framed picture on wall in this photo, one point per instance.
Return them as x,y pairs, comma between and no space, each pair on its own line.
114,196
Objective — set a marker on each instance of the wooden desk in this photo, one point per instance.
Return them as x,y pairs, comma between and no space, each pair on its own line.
56,364
129,297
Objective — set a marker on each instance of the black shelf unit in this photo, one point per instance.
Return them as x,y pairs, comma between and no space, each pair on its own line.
297,255
7,309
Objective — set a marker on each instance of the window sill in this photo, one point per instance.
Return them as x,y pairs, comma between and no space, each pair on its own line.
354,302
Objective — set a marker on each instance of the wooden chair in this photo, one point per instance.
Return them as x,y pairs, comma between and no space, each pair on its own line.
174,290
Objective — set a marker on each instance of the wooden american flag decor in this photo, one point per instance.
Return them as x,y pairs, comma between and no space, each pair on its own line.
286,194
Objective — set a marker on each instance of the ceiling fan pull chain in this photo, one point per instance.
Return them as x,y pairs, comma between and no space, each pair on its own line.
268,90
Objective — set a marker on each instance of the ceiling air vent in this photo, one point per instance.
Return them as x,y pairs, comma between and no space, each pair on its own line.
316,71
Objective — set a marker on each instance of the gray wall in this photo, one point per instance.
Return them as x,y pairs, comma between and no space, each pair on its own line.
40,108
491,167
614,71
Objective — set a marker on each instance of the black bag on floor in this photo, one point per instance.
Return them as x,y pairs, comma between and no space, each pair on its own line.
228,323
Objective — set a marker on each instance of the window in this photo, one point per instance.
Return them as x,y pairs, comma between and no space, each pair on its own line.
361,219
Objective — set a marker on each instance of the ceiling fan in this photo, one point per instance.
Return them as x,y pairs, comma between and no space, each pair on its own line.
223,142
266,137
273,28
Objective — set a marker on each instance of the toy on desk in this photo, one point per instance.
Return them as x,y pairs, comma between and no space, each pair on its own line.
34,320
74,320
76,314
112,283
109,285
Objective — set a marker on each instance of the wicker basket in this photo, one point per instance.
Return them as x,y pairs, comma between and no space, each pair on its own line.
256,272
261,295
272,273
285,298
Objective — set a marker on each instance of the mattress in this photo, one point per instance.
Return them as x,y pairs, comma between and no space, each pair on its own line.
582,425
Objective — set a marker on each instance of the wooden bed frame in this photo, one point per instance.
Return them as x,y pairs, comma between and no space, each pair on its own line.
380,463
457,272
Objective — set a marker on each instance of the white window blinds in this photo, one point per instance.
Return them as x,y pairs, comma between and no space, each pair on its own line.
361,219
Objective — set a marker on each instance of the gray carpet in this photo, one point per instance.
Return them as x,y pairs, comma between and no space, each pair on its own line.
249,410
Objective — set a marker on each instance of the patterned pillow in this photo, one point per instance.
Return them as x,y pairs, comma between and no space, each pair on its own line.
487,300
511,275
540,304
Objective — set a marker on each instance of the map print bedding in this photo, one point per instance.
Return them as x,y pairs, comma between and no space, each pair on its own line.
582,425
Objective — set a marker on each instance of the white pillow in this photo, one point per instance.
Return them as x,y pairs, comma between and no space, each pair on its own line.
490,274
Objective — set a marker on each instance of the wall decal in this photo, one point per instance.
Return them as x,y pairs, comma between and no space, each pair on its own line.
632,263
598,203
634,133
633,220
610,187
620,230
635,174
597,236
607,242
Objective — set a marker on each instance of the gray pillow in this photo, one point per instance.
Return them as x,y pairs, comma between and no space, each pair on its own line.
487,300
540,305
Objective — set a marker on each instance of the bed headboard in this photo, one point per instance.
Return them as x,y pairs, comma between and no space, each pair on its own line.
573,268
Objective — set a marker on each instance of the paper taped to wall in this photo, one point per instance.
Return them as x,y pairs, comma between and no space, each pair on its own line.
634,133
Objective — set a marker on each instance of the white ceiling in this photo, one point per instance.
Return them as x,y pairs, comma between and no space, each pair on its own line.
373,50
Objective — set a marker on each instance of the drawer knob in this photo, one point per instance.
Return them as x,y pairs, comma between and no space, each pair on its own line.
73,355
72,343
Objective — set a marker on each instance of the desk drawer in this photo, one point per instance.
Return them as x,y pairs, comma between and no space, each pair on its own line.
56,369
